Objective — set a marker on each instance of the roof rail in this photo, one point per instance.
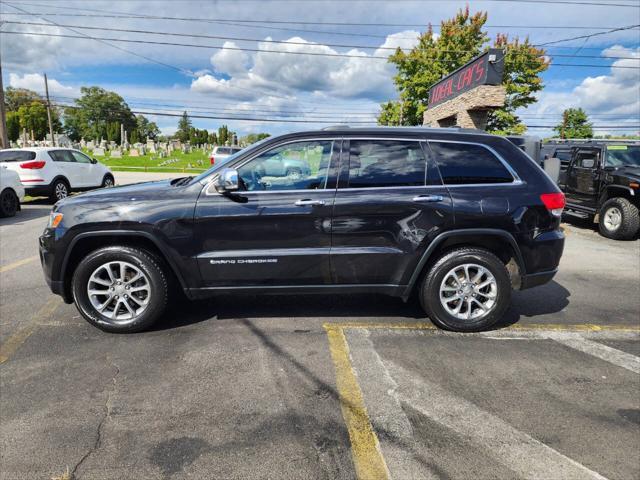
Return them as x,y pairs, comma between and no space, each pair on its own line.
335,127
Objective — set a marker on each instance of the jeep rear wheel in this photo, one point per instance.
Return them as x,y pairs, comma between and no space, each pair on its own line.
467,289
619,219
120,289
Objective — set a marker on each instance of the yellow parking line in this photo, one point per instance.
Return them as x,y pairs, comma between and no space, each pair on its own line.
580,327
13,343
365,447
19,263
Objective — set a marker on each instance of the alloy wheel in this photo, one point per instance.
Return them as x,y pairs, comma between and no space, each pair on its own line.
61,191
119,291
468,291
612,218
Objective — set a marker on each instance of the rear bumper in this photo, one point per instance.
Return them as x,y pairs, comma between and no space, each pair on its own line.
37,190
537,279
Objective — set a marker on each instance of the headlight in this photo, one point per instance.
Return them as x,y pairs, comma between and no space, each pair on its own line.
54,219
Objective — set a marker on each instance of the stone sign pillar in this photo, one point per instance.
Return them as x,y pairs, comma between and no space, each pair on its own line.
468,110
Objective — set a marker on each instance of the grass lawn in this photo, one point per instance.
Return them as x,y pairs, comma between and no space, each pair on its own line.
195,161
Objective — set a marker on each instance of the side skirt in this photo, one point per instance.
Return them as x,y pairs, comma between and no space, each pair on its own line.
205,292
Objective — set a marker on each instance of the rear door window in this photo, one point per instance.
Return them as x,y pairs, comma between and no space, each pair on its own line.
61,156
468,164
386,163
16,155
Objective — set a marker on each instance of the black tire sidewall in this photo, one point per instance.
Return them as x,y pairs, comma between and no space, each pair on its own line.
430,291
110,177
8,193
628,226
143,261
53,189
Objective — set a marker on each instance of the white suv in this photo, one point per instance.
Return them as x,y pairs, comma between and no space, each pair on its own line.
55,172
221,154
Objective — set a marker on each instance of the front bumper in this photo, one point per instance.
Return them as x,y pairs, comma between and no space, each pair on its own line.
48,259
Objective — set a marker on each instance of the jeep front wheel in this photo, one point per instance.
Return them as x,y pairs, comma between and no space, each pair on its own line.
467,290
619,219
120,289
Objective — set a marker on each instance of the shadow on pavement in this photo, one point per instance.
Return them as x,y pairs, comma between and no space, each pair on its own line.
29,211
545,300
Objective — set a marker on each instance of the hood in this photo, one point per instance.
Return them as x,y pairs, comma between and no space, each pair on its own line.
125,193
631,172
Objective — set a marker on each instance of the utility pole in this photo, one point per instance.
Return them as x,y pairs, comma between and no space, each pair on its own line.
46,91
4,139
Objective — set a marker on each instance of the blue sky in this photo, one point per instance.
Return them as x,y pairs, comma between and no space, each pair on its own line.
221,80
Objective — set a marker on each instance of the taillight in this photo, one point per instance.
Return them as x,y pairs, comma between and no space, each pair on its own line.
35,165
212,159
554,202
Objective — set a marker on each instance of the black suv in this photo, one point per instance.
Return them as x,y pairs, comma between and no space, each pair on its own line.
602,180
458,217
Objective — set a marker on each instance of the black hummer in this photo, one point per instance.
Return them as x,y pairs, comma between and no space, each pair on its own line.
458,217
601,180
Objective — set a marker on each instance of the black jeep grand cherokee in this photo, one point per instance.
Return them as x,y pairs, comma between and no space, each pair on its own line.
459,217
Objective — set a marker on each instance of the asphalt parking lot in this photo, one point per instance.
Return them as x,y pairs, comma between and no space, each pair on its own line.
295,387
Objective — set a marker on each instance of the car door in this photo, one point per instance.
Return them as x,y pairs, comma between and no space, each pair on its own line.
275,231
87,172
389,206
583,178
66,164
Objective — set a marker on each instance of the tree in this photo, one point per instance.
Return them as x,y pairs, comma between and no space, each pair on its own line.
575,124
184,128
94,111
13,126
253,138
145,128
461,39
213,138
223,135
33,117
14,98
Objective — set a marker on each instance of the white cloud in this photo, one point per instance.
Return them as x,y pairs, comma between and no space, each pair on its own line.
35,82
230,61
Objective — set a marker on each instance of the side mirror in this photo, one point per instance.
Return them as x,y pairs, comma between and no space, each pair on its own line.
227,181
94,161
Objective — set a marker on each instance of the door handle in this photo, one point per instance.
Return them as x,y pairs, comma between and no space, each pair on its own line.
306,201
428,198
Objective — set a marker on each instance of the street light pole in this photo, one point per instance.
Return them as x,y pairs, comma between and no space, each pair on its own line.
46,91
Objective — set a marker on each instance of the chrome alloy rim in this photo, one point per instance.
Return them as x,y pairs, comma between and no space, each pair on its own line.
468,292
61,191
119,290
613,218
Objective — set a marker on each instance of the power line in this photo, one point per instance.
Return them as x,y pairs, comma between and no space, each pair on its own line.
282,42
214,47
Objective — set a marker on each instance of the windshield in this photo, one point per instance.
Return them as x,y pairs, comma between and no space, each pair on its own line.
620,155
230,158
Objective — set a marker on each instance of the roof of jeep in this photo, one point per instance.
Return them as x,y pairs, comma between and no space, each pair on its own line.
409,131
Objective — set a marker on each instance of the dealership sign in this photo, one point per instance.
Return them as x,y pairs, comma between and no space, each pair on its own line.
485,69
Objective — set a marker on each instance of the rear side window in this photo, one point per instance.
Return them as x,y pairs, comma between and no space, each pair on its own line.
386,163
61,156
16,155
465,163
223,151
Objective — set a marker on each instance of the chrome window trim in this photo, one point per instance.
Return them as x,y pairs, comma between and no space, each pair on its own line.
260,152
516,178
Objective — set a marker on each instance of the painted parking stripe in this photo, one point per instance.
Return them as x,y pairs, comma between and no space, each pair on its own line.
13,343
518,451
365,447
598,350
385,411
16,264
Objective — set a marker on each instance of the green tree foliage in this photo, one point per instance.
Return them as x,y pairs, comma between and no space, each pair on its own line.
13,126
223,135
95,113
28,110
575,124
146,129
213,138
253,138
198,137
461,39
184,128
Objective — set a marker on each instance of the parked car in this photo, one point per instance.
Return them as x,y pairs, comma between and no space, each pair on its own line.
602,181
457,217
220,155
55,172
11,192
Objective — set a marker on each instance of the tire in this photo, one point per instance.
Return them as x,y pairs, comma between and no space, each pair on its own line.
151,303
59,190
495,296
9,203
619,219
108,181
